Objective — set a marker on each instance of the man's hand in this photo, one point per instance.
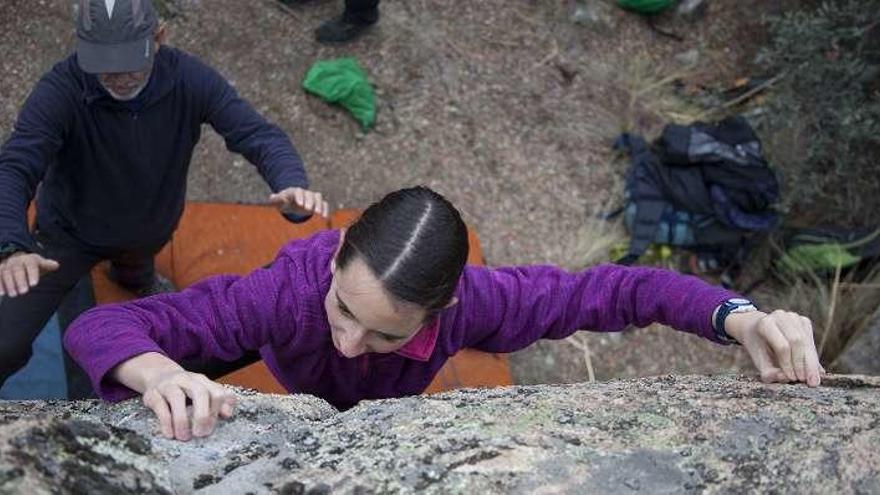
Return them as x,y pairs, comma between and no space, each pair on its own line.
167,393
21,271
780,344
300,201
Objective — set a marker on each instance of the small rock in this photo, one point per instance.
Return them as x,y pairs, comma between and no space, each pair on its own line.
692,9
688,58
632,484
595,14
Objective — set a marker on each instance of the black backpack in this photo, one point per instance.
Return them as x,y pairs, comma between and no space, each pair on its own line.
703,187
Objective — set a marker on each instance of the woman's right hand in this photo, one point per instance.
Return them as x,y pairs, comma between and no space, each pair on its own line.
166,394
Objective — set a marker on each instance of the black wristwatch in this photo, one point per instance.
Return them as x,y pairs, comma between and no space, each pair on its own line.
7,249
735,305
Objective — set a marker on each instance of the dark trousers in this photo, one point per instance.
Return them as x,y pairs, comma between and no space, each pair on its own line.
362,11
23,317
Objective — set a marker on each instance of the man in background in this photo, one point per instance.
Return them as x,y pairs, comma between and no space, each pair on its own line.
107,135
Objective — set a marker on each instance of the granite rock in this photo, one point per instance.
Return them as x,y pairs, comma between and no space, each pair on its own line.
721,434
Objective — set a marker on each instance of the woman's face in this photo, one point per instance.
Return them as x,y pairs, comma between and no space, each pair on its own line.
364,317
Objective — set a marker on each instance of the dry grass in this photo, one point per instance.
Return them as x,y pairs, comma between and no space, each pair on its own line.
652,90
594,243
596,238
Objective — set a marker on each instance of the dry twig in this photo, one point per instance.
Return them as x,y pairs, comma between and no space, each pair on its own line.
743,97
554,52
829,320
284,8
582,345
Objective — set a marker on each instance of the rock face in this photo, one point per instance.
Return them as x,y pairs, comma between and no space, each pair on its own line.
862,355
658,435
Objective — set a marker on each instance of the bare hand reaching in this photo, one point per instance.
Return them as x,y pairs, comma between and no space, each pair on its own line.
300,201
780,344
166,395
22,271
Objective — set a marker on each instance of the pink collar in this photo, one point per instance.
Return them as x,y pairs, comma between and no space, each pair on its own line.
421,346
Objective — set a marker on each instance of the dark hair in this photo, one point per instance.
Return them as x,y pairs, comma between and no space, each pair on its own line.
415,242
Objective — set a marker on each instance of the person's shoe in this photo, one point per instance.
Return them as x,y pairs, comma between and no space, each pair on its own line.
339,30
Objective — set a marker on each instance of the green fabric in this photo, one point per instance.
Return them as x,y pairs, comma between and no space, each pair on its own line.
824,257
342,81
817,258
645,6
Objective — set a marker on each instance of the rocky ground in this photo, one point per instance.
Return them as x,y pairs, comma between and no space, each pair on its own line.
688,434
506,107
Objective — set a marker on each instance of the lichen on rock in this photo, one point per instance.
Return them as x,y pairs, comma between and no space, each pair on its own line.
664,434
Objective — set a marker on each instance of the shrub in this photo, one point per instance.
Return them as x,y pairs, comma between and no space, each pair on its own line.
823,119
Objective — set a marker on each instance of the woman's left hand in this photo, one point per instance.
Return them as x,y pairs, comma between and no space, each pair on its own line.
780,344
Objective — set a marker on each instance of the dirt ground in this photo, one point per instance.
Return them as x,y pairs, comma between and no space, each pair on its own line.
506,107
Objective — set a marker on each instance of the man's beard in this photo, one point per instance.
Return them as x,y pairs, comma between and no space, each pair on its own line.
134,94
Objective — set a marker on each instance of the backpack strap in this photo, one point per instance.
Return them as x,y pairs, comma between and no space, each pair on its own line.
644,193
644,228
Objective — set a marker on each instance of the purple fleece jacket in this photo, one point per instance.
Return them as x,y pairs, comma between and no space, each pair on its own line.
280,311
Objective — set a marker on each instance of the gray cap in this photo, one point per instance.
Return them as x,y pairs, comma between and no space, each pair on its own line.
115,35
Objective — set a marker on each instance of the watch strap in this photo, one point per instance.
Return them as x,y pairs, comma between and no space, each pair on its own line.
735,305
